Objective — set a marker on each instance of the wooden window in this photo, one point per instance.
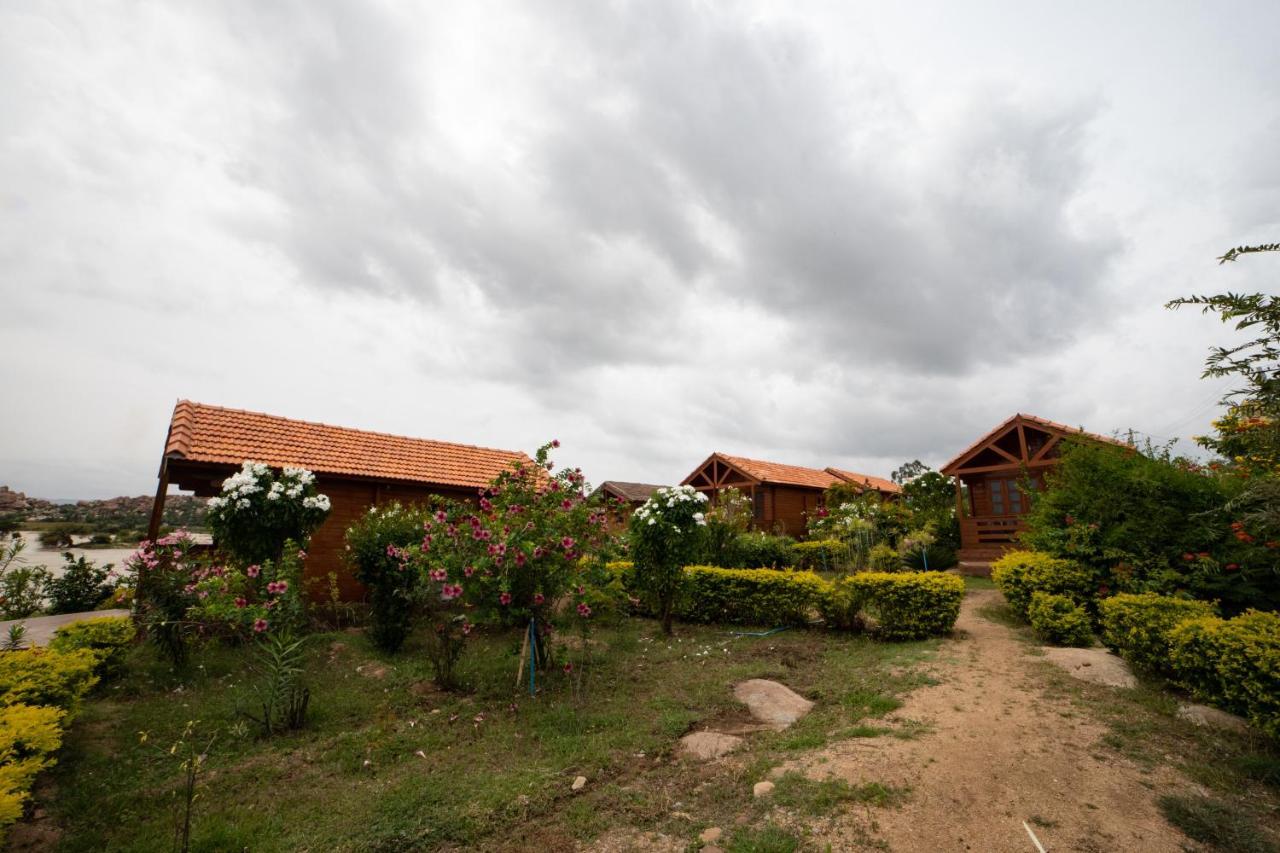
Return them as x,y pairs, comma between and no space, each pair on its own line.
1015,497
997,497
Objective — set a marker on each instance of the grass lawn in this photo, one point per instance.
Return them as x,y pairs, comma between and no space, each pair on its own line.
389,763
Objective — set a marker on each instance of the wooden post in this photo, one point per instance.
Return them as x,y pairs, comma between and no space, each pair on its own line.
157,508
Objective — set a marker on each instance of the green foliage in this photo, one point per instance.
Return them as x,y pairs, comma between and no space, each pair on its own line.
1146,521
80,586
22,591
162,576
108,637
1059,620
884,558
727,517
929,498
374,547
933,557
1018,574
750,596
281,693
29,736
762,551
821,555
260,509
46,677
1137,626
1233,663
666,533
1223,826
909,605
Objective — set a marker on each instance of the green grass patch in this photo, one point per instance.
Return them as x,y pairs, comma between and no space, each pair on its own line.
1223,826
767,839
796,791
978,582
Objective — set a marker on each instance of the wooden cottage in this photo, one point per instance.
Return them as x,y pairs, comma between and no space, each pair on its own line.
990,475
623,499
782,496
355,468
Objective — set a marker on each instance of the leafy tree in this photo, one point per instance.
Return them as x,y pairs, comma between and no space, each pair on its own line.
666,533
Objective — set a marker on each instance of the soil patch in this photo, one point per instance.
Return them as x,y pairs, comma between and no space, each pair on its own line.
997,753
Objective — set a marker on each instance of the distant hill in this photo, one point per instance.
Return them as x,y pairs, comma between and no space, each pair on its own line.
110,515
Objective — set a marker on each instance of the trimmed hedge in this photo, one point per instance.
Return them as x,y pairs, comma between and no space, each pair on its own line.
750,596
885,558
763,551
108,637
43,677
909,605
827,555
1136,626
1058,620
29,736
1233,663
1020,573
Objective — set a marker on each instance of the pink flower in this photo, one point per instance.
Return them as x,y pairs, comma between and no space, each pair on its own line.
566,504
253,571
450,591
555,442
260,625
567,543
568,667
520,558
504,599
469,571
584,610
538,598
302,555
486,504
391,550
538,552
466,628
438,575
240,602
441,516
582,590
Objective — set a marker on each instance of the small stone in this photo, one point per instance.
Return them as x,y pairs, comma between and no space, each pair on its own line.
777,773
1203,715
762,789
708,745
579,783
711,835
774,704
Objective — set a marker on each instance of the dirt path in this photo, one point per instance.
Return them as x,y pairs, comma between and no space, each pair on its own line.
996,754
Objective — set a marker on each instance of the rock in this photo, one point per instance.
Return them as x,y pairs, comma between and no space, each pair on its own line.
762,789
372,669
1203,715
711,835
708,745
777,773
1098,666
578,784
337,647
774,704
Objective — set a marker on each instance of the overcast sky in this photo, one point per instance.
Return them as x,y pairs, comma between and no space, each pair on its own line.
835,233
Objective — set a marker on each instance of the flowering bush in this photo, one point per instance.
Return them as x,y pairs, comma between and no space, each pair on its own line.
513,555
377,549
259,510
666,533
163,572
251,600
861,520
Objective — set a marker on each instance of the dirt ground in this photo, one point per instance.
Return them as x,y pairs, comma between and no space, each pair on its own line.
996,754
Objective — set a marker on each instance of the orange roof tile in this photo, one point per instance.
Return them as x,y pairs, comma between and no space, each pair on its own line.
796,475
880,484
1034,419
202,433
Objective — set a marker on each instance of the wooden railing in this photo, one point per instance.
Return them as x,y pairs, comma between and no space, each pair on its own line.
990,530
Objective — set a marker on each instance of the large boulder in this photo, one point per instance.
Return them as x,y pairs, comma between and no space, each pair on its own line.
773,704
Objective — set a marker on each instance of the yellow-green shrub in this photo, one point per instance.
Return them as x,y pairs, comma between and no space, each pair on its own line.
826,555
1137,626
1019,573
884,558
1058,620
45,677
841,605
29,735
108,637
1233,663
750,596
909,605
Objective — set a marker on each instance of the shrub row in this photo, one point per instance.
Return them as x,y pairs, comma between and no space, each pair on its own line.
41,691
905,605
1232,663
1059,620
1018,574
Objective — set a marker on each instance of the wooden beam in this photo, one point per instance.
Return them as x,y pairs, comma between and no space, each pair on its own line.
1022,442
157,508
1053,440
987,469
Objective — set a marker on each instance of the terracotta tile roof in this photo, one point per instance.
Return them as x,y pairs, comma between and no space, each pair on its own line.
1032,419
880,484
628,491
202,433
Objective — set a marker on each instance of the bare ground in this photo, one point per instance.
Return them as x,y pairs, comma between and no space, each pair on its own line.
997,753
